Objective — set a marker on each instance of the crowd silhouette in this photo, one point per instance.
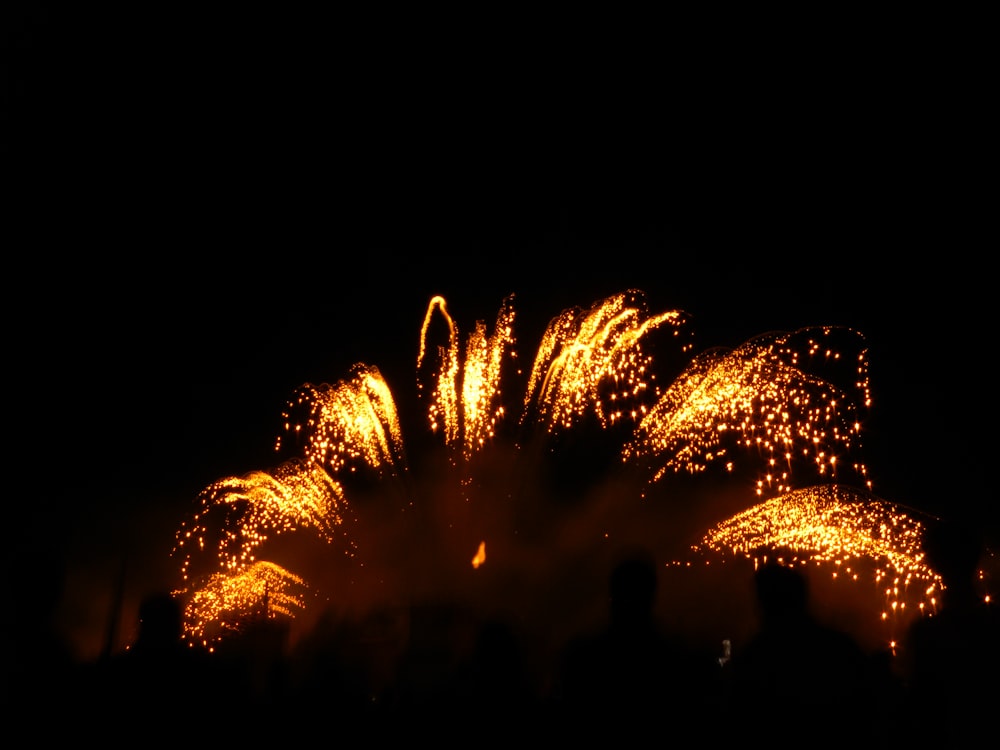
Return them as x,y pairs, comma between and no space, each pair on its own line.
442,670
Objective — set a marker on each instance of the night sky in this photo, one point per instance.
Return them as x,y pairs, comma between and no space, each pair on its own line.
211,212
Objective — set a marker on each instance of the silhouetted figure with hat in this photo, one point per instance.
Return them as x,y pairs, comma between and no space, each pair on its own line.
950,657
797,676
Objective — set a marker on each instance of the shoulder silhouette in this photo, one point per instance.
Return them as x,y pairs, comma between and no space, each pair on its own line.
815,677
951,656
632,674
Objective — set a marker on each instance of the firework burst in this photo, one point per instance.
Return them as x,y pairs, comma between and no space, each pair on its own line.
780,416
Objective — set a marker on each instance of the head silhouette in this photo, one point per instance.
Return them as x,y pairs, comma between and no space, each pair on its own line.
632,588
781,591
160,623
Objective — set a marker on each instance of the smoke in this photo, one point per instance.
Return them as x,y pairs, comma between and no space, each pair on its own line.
552,528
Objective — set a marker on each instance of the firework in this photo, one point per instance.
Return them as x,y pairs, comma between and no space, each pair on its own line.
239,514
227,601
585,352
790,406
346,424
762,398
838,525
465,402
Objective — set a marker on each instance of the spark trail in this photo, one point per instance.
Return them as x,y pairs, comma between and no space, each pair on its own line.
835,525
584,352
226,600
762,398
465,402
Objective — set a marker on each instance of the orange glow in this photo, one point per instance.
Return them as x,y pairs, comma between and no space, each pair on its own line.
480,556
781,412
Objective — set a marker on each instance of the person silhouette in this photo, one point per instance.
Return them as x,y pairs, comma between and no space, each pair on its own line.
950,657
159,676
797,671
494,689
631,675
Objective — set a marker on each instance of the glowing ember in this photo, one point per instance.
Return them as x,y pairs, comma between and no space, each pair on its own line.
583,352
480,557
761,397
226,601
468,409
354,420
242,512
787,406
836,525
830,523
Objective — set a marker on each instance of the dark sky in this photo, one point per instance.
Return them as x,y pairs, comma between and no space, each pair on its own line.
215,210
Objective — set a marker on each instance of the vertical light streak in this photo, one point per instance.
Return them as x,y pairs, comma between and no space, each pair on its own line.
465,401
